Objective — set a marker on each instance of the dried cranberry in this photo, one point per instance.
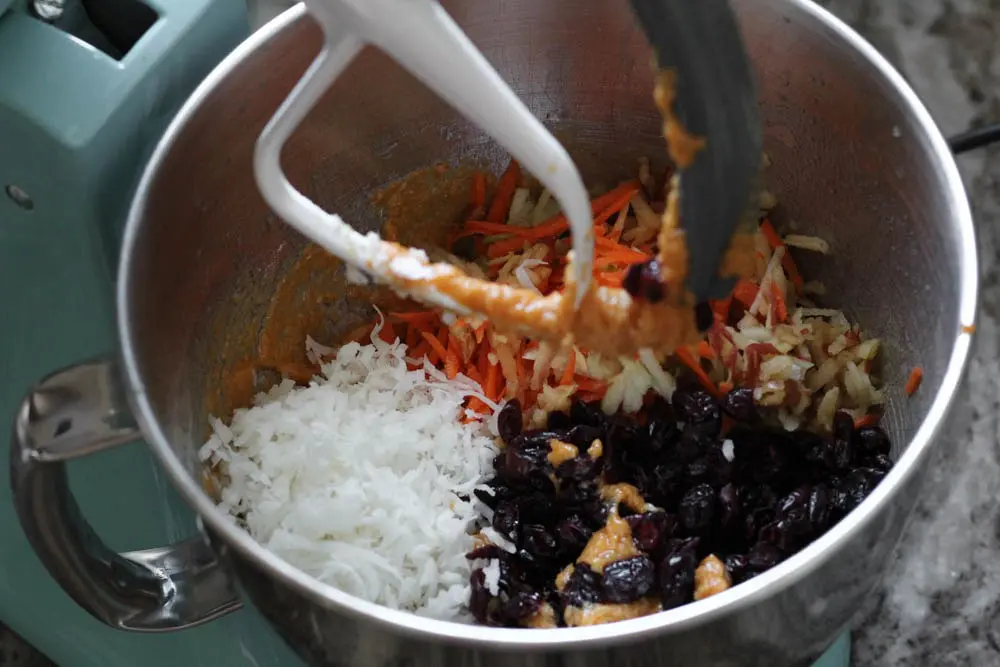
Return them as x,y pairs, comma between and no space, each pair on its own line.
644,281
623,432
736,566
506,519
651,530
519,606
663,486
537,507
697,509
755,521
698,409
713,468
661,434
537,438
538,541
873,440
582,436
485,552
879,462
479,598
596,511
820,506
843,426
487,498
573,534
793,527
578,468
699,470
874,476
772,465
822,455
838,499
558,421
628,579
660,409
589,414
676,574
794,501
523,459
762,557
789,533
536,571
739,405
584,586
749,444
803,442
757,497
843,453
856,486
510,421
730,510
690,445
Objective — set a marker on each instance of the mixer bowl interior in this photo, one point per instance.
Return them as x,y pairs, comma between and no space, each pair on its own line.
851,160
846,164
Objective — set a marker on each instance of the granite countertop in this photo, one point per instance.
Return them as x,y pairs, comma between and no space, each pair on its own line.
940,604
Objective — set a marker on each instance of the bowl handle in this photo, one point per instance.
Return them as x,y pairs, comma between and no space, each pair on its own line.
72,413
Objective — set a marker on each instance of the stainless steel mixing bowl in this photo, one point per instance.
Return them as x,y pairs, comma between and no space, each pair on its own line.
855,157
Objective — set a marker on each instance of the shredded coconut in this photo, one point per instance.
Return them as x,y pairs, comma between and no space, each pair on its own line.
363,479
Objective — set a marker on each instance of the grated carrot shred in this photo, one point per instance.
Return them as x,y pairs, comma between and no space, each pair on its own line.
477,405
500,206
616,230
492,387
478,190
438,351
778,301
774,240
490,227
451,365
422,318
423,349
745,292
688,359
870,419
570,370
558,224
388,334
504,247
913,383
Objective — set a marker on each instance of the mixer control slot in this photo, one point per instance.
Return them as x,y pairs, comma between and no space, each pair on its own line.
112,26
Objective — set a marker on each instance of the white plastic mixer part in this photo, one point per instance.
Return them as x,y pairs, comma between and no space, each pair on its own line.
421,36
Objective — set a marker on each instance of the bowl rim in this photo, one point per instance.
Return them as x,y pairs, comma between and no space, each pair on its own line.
737,598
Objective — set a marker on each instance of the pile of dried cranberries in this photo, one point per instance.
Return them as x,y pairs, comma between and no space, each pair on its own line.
699,502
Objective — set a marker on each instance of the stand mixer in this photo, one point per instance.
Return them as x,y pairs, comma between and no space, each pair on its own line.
84,96
86,87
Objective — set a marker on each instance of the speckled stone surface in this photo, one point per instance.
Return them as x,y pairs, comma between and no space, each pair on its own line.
15,653
940,605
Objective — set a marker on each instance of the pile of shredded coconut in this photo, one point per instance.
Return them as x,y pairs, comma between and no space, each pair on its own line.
363,479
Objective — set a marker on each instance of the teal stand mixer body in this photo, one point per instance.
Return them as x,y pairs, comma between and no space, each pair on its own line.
76,124
86,89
